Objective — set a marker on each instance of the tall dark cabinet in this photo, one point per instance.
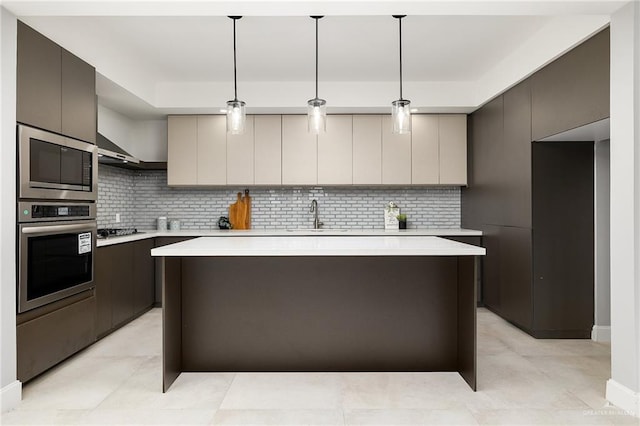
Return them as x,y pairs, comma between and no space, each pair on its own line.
56,90
39,77
534,200
563,237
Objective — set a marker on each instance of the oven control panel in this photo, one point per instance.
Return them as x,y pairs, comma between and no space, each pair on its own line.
41,211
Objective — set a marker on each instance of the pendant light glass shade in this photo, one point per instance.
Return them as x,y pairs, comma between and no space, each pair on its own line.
317,115
236,117
316,107
236,113
401,116
401,109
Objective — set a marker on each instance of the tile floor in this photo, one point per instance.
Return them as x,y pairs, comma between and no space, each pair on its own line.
522,381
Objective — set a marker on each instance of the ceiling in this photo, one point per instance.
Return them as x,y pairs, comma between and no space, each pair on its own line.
151,62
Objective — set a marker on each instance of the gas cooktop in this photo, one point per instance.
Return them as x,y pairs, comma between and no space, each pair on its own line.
116,232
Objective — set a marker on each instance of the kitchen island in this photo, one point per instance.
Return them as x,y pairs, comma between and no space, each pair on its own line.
325,303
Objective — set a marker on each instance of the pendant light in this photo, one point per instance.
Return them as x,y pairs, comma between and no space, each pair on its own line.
316,107
236,113
401,109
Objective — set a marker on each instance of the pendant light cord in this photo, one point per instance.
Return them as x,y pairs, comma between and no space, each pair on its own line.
316,19
235,76
400,26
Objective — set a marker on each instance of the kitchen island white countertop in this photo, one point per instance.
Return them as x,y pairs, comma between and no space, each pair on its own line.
296,245
144,234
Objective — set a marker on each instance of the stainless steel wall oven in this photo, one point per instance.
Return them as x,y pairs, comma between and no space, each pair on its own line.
57,167
56,246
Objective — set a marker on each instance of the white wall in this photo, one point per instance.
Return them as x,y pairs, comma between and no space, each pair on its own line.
145,139
115,127
11,388
623,389
150,140
602,311
558,36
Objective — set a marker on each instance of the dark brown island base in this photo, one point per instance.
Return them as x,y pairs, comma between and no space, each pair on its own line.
325,303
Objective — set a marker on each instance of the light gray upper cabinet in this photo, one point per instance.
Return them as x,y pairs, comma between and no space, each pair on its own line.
439,149
335,153
396,155
196,153
279,150
367,149
299,152
452,130
212,150
182,150
425,158
240,156
268,149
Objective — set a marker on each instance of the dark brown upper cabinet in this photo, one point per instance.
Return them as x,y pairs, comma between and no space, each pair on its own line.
573,90
39,77
56,90
78,101
483,197
515,186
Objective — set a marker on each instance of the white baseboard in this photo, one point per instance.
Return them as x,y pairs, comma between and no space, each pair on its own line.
10,396
601,333
623,397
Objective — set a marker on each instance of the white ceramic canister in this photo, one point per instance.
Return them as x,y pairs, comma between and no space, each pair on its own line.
174,225
162,223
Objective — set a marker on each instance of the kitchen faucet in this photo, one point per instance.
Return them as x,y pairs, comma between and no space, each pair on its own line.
314,209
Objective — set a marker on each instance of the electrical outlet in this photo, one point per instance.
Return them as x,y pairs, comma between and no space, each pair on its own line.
117,217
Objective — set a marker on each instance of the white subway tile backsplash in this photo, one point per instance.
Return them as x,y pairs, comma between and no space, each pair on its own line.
140,197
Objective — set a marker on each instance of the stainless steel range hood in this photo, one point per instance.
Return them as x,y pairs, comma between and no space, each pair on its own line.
110,153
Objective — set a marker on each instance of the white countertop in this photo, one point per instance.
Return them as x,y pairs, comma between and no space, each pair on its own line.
295,245
455,232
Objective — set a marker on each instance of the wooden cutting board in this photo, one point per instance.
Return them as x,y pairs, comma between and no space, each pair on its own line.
247,209
236,213
240,211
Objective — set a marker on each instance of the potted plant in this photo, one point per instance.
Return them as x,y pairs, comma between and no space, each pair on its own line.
402,221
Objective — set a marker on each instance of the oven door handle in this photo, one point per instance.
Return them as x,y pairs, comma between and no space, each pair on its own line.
57,228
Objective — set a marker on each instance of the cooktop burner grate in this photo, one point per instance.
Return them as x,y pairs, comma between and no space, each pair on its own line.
116,232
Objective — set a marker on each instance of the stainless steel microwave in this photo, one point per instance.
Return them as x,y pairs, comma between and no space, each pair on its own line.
56,167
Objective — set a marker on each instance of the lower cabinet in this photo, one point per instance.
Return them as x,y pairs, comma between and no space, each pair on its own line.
124,277
102,277
48,335
121,271
516,252
144,293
